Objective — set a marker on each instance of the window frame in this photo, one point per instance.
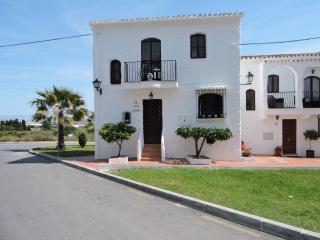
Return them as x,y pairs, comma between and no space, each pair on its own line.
271,86
212,115
197,46
253,92
114,81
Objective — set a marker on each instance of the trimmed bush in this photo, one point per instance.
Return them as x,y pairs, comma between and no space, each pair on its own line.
116,133
201,134
82,138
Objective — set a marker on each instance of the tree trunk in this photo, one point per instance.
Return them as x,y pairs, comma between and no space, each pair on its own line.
60,144
196,144
119,145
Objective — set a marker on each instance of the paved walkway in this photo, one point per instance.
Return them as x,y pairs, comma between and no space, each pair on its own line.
260,162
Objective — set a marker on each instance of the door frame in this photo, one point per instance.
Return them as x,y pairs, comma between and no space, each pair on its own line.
143,122
283,136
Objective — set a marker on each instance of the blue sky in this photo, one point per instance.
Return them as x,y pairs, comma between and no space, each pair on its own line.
25,69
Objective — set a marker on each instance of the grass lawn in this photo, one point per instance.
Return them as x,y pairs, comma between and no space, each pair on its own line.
69,151
289,196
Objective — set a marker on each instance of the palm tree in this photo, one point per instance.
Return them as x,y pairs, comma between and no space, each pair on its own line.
60,104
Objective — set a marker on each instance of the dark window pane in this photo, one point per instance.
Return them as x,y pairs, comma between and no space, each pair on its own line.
198,46
115,72
202,53
202,41
210,105
250,100
194,52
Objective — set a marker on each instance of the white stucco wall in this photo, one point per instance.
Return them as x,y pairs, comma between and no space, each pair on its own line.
292,71
221,66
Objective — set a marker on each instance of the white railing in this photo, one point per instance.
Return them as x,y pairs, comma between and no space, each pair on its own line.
163,149
140,144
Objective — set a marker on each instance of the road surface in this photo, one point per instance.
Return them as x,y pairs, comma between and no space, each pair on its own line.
42,200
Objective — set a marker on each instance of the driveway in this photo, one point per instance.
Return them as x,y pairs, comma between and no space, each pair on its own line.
41,200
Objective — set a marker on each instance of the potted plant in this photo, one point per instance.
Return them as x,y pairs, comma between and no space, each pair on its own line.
200,135
117,133
278,151
310,135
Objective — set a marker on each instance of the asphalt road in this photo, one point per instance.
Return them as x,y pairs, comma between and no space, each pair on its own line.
42,200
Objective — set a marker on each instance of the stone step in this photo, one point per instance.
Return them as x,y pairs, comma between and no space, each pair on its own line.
151,154
153,159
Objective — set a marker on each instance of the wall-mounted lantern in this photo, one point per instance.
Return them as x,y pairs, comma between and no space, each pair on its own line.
151,95
277,117
249,78
312,71
97,85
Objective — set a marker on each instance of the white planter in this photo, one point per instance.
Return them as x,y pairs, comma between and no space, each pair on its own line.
118,160
199,161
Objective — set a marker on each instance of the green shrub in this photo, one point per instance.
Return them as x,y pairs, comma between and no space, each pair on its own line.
201,134
311,135
116,133
82,138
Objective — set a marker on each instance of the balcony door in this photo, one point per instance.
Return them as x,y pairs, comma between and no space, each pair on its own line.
311,92
151,59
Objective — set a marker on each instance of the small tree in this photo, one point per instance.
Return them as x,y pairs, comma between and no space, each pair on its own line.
311,135
116,133
201,134
82,138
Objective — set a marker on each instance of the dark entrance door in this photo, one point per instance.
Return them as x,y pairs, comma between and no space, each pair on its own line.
152,121
151,59
289,134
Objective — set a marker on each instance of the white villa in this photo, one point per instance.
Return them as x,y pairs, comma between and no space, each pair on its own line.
281,103
161,73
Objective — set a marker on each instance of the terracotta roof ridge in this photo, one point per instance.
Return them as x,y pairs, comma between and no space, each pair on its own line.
177,17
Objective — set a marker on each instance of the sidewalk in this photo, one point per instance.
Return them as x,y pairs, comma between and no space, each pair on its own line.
256,162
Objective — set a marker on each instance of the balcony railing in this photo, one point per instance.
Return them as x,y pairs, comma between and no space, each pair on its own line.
282,100
137,71
311,99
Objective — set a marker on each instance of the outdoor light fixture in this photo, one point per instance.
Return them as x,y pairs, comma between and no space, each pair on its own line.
249,79
277,117
312,71
97,85
151,95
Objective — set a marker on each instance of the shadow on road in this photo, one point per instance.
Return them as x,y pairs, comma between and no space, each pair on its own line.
16,150
33,159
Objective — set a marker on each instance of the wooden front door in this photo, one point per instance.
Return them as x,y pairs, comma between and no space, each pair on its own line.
289,135
152,121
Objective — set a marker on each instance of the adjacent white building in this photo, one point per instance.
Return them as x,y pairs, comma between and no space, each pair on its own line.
162,73
281,103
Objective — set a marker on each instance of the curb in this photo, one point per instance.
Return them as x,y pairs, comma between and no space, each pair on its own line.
259,223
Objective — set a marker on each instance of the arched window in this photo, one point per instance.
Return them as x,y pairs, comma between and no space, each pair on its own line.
250,100
273,84
151,58
198,46
312,84
210,106
115,72
311,92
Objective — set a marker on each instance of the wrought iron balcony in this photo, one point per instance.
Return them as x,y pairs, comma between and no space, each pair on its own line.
138,71
282,99
311,99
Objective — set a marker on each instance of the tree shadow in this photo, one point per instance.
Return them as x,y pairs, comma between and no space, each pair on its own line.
33,159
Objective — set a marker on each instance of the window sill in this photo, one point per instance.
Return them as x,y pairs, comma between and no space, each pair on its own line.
211,119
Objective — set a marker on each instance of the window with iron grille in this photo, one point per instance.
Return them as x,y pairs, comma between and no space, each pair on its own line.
115,72
250,100
211,103
198,46
273,84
